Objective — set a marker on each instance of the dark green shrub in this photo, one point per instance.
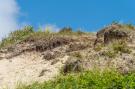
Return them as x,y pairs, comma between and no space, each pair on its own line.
108,79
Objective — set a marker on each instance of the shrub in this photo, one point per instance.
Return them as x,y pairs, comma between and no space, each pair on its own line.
121,47
16,36
66,30
48,30
98,48
110,54
116,48
76,47
73,65
79,32
88,80
130,26
39,36
77,55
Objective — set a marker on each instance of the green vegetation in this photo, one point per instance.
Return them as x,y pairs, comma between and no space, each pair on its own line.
79,32
127,26
121,47
77,55
28,33
66,30
130,26
16,36
72,66
98,48
115,48
73,75
110,54
88,80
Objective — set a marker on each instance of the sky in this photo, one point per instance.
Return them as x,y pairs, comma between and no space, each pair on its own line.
88,15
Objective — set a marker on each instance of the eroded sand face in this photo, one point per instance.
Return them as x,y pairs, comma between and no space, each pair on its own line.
27,68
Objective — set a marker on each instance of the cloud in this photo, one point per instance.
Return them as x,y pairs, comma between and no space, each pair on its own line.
9,12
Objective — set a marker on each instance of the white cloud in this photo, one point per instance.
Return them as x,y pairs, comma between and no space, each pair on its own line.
9,11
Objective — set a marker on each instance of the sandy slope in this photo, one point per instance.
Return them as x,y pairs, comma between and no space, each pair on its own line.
30,66
26,68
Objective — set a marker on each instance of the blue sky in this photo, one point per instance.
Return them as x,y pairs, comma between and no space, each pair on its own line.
87,14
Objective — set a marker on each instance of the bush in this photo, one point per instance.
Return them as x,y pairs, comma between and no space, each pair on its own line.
76,47
88,80
77,55
130,26
110,54
121,47
116,48
19,34
98,48
79,32
73,65
16,36
66,30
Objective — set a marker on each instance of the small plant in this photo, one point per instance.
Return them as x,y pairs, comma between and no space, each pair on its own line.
130,26
66,30
98,48
121,47
110,54
48,30
79,32
77,55
116,48
76,47
16,36
72,66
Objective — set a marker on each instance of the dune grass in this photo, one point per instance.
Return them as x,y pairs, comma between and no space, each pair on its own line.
28,32
16,36
88,80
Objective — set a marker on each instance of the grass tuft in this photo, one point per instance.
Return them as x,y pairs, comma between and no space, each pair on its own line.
121,47
16,36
